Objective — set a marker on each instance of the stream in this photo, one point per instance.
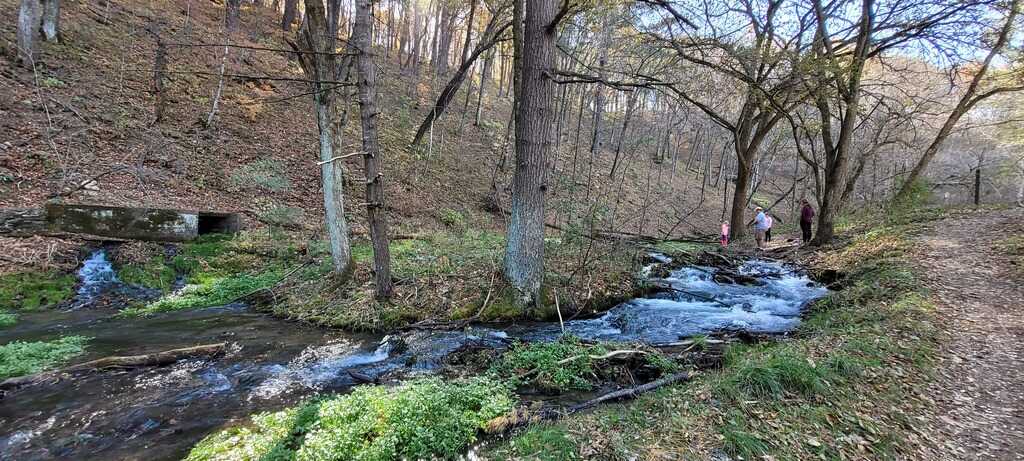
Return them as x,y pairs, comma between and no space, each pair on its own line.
159,412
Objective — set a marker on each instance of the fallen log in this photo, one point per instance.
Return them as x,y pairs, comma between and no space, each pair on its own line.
522,416
123,362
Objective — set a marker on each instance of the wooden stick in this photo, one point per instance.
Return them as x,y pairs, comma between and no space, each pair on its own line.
559,310
523,417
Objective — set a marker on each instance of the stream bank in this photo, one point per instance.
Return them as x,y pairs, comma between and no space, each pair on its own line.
273,363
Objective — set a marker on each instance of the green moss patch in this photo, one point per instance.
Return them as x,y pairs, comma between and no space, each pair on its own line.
154,273
219,269
34,290
20,358
422,419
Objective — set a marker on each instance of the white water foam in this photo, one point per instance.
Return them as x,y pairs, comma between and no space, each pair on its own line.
702,305
95,275
317,366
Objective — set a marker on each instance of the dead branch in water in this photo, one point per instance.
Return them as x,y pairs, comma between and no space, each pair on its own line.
522,417
119,362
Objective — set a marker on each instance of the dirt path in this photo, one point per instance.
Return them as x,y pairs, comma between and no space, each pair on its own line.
979,380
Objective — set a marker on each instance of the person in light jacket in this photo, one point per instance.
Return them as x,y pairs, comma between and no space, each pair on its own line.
760,227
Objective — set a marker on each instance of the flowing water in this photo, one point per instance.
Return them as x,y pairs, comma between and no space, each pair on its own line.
158,413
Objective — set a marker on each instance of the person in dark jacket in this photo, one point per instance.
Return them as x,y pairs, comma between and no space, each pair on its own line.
806,219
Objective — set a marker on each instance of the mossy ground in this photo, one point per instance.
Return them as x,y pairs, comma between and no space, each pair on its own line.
841,388
455,274
20,358
35,290
218,269
568,364
27,291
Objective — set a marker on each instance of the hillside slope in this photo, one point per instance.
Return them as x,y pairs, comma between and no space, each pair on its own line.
84,114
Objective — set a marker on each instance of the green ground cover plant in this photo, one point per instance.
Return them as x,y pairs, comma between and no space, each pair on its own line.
19,358
421,419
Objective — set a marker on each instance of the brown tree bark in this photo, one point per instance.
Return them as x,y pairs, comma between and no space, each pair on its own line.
837,156
535,116
375,210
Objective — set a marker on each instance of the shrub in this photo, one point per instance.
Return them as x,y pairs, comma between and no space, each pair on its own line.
547,365
421,419
453,218
20,358
262,174
32,290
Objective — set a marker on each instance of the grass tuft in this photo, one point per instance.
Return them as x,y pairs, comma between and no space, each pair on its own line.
544,442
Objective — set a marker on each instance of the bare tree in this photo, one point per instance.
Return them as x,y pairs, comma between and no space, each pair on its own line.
318,60
968,100
758,62
375,209
493,33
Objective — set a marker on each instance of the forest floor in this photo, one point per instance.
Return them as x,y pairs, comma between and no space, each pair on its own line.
976,285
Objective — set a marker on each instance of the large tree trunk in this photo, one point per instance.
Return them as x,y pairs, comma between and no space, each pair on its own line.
290,9
524,258
30,16
737,217
375,210
838,154
318,62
